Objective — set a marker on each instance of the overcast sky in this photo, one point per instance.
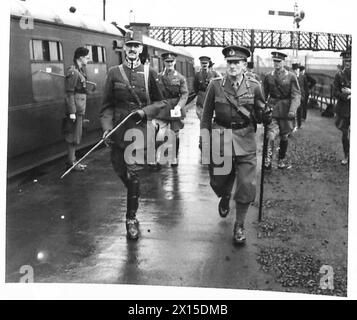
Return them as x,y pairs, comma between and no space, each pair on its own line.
320,15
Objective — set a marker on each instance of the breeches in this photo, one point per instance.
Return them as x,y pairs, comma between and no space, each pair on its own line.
281,127
126,172
243,174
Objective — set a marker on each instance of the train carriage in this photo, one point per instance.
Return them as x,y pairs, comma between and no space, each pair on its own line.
42,43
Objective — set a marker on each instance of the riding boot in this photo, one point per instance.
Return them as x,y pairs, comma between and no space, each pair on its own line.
346,148
282,153
132,224
175,162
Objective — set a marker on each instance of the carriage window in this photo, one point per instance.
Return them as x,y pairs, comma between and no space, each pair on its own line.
96,54
189,69
45,50
47,70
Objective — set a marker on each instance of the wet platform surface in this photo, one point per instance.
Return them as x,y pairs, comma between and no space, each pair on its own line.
73,230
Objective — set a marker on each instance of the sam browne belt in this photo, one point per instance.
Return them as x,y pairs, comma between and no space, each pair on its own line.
235,125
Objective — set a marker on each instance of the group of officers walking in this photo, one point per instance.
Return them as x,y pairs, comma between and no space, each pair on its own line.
136,97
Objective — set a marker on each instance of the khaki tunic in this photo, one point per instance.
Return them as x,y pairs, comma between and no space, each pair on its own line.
76,99
224,103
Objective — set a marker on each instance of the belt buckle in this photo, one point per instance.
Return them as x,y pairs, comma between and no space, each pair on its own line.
234,125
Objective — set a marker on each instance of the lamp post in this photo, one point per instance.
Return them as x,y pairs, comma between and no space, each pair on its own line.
104,3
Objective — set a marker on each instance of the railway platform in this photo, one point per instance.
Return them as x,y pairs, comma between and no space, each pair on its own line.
73,230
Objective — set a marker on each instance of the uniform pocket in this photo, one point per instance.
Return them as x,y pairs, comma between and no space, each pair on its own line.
119,85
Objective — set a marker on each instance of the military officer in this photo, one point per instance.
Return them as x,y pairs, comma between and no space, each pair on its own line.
201,81
174,88
308,83
238,103
76,95
282,90
295,69
130,87
342,91
250,71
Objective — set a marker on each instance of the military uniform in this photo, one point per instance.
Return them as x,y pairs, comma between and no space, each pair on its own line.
302,109
76,98
200,84
249,73
236,108
227,116
76,89
282,92
343,107
118,102
174,88
306,84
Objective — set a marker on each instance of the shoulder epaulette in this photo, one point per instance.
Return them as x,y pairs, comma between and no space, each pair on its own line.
252,79
216,78
71,70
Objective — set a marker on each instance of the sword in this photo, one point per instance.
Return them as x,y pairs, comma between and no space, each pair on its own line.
98,144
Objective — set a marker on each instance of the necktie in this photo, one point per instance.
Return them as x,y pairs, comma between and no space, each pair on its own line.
235,86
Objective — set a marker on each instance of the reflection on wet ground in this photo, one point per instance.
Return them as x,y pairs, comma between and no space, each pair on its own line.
73,230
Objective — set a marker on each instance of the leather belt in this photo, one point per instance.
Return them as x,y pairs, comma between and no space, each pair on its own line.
235,125
279,97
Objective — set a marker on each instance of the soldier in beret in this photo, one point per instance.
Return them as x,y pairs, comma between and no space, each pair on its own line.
281,88
76,96
130,88
342,91
233,105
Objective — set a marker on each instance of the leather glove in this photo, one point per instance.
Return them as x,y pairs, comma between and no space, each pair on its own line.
138,116
176,112
108,141
72,116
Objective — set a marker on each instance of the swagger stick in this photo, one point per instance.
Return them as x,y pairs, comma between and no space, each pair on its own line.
98,144
62,76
